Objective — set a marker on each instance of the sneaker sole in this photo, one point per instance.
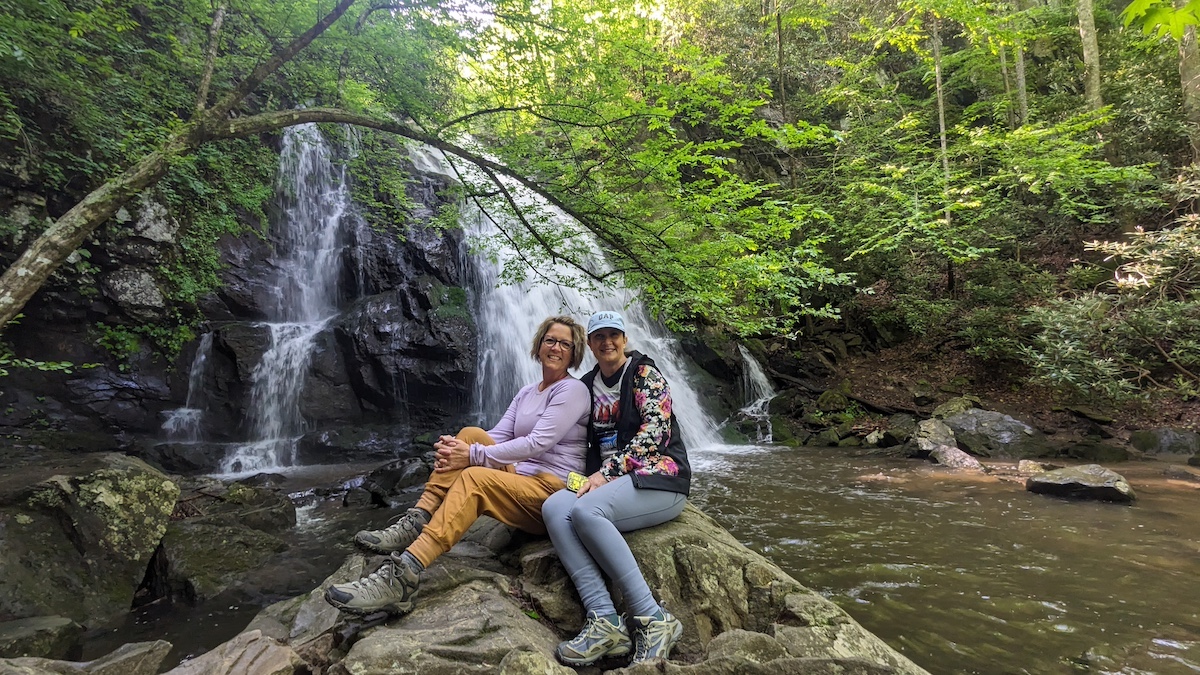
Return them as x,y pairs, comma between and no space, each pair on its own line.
395,608
582,661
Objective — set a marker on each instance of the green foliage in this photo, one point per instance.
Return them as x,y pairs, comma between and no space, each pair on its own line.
1162,17
1142,335
380,180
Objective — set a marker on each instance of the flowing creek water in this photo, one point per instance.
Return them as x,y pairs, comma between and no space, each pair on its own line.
967,574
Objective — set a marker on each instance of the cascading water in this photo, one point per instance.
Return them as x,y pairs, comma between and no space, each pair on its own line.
507,315
309,243
182,425
757,392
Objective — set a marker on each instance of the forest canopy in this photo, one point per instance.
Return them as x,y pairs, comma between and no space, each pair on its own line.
1011,177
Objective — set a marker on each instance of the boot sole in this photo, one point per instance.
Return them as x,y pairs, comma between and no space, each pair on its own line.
394,609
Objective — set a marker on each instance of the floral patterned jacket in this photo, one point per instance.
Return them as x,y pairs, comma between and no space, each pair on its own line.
650,445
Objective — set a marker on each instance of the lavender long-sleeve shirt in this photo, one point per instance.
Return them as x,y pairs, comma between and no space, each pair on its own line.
541,432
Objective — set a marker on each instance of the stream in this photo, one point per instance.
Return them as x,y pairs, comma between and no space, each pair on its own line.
967,574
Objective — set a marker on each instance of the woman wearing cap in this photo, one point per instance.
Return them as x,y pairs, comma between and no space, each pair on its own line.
506,473
638,476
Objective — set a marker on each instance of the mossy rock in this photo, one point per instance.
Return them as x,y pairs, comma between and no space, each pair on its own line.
205,559
832,401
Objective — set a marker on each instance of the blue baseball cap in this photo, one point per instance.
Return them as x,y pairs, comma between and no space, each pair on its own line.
606,319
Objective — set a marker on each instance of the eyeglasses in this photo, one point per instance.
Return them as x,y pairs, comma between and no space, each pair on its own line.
565,345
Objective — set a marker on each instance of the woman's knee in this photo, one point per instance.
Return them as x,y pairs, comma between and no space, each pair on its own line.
557,506
474,435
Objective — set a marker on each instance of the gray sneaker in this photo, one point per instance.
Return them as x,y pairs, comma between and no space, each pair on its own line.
392,589
395,537
654,638
598,639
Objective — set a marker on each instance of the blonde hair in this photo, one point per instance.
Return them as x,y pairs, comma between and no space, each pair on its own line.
578,339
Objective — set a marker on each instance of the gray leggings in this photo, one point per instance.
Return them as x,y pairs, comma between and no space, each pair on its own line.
586,532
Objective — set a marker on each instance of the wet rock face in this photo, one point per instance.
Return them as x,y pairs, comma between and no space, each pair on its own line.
409,346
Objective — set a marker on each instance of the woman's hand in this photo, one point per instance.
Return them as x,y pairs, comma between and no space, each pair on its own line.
594,481
452,455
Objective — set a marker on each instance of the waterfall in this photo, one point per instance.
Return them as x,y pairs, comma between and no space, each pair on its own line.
309,241
757,392
508,314
182,425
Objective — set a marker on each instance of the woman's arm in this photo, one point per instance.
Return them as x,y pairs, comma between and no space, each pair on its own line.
652,396
567,404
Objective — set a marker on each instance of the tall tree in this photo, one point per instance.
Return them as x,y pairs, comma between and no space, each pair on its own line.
1091,54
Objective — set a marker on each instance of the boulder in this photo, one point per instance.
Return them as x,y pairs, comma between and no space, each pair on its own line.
50,637
741,613
956,405
900,429
1088,481
1028,466
932,434
137,658
992,434
1095,450
250,653
77,543
394,478
922,392
359,443
1166,441
948,455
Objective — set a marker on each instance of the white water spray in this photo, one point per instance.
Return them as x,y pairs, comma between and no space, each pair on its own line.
757,392
308,264
508,314
182,425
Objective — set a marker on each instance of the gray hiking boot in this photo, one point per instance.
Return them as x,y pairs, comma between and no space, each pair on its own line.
395,537
654,638
392,589
598,639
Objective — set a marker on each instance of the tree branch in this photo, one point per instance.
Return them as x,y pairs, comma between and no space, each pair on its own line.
210,58
248,126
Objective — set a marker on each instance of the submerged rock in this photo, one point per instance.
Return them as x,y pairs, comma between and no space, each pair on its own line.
1089,481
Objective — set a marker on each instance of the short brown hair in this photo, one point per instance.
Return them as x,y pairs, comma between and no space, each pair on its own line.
578,340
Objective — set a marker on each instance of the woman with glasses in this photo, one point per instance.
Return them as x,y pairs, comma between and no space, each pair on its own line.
506,472
638,477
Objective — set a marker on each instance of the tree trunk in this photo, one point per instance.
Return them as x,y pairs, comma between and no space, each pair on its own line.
51,248
1009,114
1091,55
1022,91
941,106
1189,80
